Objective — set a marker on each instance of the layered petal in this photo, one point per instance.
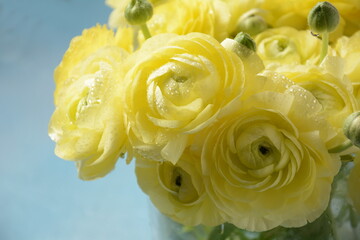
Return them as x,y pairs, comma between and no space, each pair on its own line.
87,124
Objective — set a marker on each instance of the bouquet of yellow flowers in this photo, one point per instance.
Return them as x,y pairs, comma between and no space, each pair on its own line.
242,115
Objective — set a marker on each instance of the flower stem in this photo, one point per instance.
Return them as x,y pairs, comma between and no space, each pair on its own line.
333,224
145,30
347,158
342,147
325,44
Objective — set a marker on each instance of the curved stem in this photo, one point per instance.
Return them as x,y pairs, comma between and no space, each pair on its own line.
342,147
325,44
145,30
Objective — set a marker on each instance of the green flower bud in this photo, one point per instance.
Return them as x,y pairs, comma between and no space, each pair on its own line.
324,17
138,12
251,22
245,40
352,128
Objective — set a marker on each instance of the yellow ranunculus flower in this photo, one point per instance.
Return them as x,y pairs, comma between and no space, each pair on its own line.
287,45
349,49
178,190
176,86
267,164
353,184
330,87
87,124
182,17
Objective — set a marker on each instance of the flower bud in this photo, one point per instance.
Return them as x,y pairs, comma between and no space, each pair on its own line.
352,128
245,40
324,17
138,12
252,23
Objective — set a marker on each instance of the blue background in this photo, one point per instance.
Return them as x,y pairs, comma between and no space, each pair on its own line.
40,195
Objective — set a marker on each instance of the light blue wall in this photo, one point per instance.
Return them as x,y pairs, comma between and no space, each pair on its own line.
41,197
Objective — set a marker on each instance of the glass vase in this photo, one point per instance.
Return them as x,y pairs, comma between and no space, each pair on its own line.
339,222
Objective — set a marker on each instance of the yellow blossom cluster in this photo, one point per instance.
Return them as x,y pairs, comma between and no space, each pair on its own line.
219,132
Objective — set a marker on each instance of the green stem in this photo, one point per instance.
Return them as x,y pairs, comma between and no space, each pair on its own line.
347,158
325,44
145,30
342,147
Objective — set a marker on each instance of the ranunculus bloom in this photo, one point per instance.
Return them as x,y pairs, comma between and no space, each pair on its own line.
330,87
178,190
87,124
267,165
287,45
176,86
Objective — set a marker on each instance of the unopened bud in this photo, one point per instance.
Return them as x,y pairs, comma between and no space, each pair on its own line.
352,128
251,22
245,40
324,17
245,48
138,12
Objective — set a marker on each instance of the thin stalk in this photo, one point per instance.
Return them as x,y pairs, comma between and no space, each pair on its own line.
347,158
145,30
342,147
325,45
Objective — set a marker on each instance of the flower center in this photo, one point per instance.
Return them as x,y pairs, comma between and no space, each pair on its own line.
258,149
178,182
263,153
180,79
278,47
327,96
282,44
264,150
